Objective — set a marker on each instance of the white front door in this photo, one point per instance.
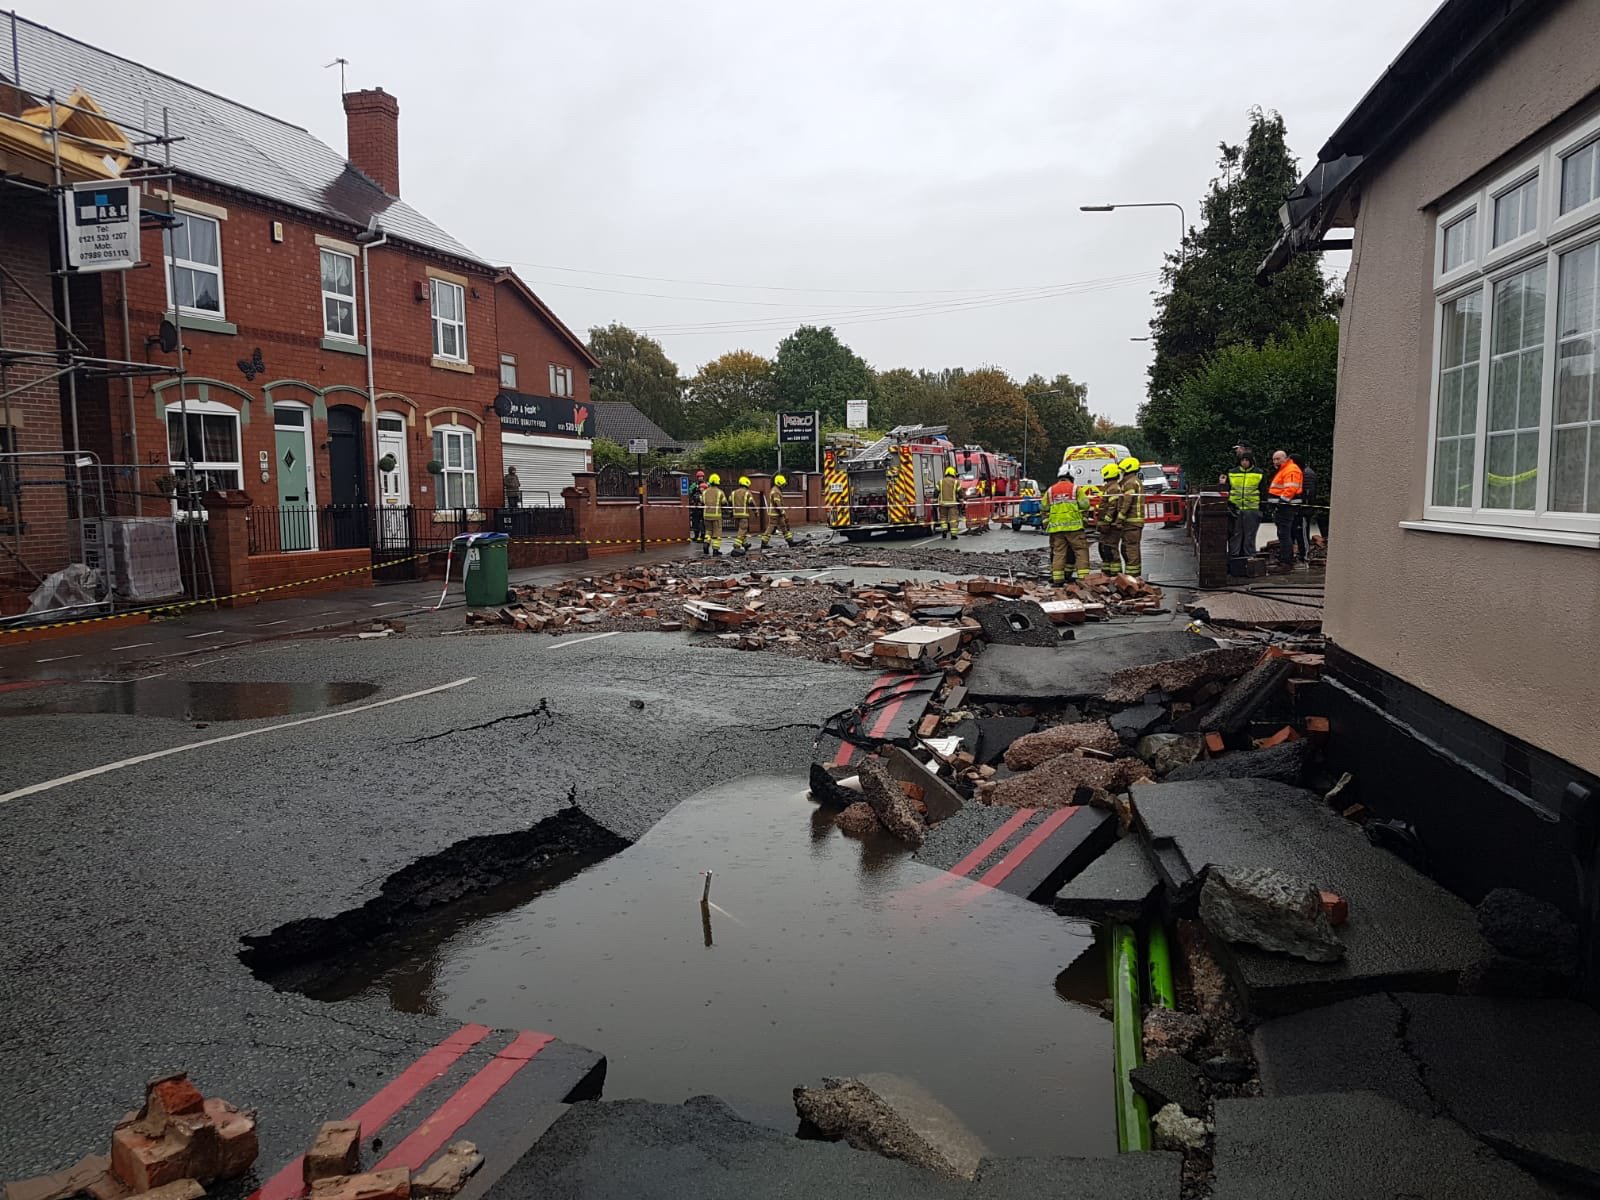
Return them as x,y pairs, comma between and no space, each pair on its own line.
394,486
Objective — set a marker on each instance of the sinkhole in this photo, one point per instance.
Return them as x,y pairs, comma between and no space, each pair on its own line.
816,955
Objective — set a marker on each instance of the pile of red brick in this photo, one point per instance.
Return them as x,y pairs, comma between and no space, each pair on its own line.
332,1169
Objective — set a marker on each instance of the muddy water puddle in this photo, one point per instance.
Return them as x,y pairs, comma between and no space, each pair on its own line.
818,955
187,700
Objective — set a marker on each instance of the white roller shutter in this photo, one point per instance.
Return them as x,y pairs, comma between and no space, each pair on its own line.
544,464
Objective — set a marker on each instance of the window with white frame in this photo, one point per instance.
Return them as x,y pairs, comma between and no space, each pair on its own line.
208,433
455,449
194,264
508,371
339,295
560,380
449,320
1516,392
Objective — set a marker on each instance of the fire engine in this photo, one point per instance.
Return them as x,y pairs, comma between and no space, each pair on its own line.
893,483
991,483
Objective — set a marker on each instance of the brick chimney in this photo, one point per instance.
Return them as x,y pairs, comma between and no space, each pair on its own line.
372,136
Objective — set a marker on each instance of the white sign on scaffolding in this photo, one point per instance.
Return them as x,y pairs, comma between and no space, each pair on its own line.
102,224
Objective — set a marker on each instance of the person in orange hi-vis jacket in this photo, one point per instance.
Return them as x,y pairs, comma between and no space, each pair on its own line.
1283,495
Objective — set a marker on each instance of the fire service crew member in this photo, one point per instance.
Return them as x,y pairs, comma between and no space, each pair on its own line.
949,503
741,498
697,514
1284,496
777,515
1064,523
711,501
1108,519
1132,515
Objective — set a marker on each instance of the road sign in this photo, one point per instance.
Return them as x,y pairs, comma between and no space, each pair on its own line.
855,414
102,224
638,445
797,428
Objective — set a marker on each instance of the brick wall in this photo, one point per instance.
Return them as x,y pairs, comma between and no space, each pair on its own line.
272,296
612,526
528,333
42,541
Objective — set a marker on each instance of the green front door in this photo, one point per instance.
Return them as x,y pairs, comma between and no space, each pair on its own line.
296,512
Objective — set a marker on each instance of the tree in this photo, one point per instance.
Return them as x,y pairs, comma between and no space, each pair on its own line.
1276,396
726,390
635,368
1063,410
814,369
994,407
1212,299
906,397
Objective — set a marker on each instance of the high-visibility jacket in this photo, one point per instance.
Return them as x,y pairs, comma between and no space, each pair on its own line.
1244,490
949,489
711,498
1065,514
1131,510
1288,483
741,502
1109,514
775,499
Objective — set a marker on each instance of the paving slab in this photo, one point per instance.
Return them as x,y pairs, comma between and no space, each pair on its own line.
1343,1145
635,1150
1076,671
1517,1072
1405,932
1119,886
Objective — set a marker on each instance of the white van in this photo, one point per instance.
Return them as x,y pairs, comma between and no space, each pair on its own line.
1083,463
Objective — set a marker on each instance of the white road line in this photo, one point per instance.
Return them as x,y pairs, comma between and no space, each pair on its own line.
134,646
270,624
58,658
386,603
207,633
560,642
920,545
49,784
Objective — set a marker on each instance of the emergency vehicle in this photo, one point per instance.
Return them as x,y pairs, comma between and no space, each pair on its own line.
991,484
893,483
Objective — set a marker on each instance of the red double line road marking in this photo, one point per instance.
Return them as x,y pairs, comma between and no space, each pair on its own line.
886,687
441,1124
997,873
376,1112
958,873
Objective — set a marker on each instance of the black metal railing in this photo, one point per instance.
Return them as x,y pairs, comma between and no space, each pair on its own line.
286,528
552,522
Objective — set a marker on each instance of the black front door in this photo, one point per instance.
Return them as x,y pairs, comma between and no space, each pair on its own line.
347,477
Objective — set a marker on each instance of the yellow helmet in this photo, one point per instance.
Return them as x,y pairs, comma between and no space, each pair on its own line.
716,479
780,480
1129,465
744,481
1110,471
949,470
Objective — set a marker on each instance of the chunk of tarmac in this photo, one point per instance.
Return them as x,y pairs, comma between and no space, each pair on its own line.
1405,931
892,1116
1342,1145
1518,1073
636,1150
1117,887
1073,672
1028,853
1285,763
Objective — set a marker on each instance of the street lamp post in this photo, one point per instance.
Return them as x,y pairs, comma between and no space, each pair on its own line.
1183,220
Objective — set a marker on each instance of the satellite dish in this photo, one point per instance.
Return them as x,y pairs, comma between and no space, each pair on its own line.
168,337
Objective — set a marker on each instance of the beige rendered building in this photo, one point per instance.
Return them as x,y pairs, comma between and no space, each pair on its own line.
1464,584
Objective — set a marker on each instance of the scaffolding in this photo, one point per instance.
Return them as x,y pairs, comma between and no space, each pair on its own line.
70,362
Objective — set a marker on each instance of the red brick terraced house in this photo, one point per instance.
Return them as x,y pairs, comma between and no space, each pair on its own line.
273,245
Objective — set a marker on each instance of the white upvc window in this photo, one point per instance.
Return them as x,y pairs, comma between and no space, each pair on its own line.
1515,423
455,449
339,295
194,265
508,371
449,320
209,434
561,380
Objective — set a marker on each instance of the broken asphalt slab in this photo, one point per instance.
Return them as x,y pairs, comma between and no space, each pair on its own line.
1076,671
1119,886
1404,932
1343,1145
1518,1073
1285,763
636,1150
1027,852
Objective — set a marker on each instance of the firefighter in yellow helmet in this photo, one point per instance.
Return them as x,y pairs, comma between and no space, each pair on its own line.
711,503
777,515
949,503
741,500
1131,517
1108,519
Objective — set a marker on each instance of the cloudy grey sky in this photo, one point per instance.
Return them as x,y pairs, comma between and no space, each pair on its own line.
909,172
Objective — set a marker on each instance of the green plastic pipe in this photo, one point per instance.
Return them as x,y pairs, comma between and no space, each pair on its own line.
1162,992
1133,1118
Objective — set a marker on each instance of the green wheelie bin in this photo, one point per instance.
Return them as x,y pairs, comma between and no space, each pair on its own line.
486,557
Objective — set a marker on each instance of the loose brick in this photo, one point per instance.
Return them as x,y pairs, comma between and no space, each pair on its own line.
1215,744
336,1151
172,1095
1336,906
394,1184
